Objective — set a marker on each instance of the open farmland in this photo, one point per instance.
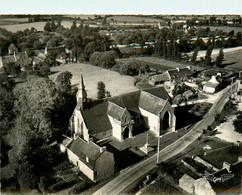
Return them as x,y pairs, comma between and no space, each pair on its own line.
115,83
133,19
157,63
37,25
7,21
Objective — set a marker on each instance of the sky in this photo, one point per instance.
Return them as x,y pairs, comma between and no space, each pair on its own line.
121,7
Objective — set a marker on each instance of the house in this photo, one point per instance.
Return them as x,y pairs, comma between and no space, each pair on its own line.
170,75
21,58
123,116
12,49
94,161
211,86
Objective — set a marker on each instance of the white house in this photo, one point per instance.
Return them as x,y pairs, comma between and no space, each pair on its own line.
94,161
211,85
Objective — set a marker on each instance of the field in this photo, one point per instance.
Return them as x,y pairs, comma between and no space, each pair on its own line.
134,19
233,60
157,63
115,83
6,21
37,25
224,28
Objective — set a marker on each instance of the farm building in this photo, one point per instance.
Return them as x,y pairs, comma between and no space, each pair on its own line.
94,161
121,116
170,75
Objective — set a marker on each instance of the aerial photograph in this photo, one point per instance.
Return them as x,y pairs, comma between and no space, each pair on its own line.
121,97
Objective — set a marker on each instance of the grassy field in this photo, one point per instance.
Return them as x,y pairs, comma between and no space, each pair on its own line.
115,83
157,63
233,60
37,25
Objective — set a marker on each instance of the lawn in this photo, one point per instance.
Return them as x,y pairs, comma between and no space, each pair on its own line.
115,83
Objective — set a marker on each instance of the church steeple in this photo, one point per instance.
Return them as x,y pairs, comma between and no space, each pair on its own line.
81,94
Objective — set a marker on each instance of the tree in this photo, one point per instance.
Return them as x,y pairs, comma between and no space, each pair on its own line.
194,55
12,68
208,58
47,27
101,90
63,82
219,59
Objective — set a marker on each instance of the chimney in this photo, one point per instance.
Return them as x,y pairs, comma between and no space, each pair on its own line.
103,149
189,67
177,69
227,166
219,74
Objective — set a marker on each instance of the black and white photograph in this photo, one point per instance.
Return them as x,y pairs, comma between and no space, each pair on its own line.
112,97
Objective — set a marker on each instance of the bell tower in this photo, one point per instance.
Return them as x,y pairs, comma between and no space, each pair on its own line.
81,96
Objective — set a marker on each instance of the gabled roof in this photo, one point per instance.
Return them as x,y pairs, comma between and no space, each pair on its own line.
13,47
115,111
84,149
179,73
160,77
151,103
158,92
95,116
128,100
80,147
96,113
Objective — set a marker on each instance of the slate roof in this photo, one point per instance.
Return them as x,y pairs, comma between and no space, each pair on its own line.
151,103
128,100
84,149
95,117
182,72
115,111
158,92
160,77
96,114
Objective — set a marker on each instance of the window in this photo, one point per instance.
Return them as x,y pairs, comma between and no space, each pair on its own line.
240,82
87,159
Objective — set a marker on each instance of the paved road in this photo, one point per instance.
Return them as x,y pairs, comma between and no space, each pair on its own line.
130,176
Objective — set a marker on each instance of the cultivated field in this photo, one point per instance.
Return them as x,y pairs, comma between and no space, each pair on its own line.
115,83
37,25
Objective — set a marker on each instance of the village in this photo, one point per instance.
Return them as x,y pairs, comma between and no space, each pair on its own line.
146,117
